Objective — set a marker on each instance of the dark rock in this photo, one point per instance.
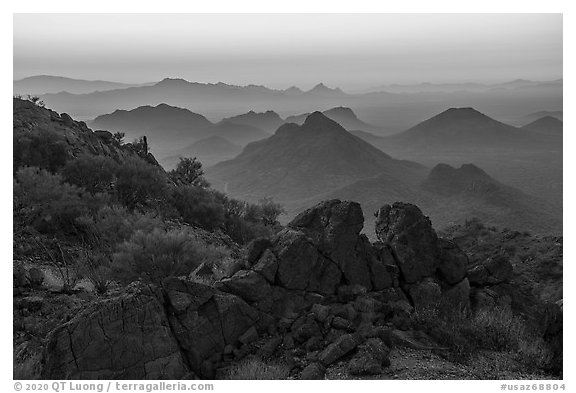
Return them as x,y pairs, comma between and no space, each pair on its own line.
203,270
453,262
314,344
338,349
313,371
492,271
371,357
425,295
249,336
320,312
267,266
35,277
255,249
348,293
457,296
269,347
127,337
412,240
342,324
251,287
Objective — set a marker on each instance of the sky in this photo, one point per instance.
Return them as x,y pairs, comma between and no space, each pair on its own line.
352,51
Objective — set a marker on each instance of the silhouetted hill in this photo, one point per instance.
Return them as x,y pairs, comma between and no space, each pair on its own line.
322,90
538,115
42,84
209,151
267,121
342,115
545,125
451,195
306,161
466,128
147,118
44,138
240,134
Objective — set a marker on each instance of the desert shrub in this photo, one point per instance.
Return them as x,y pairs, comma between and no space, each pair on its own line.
139,184
188,172
270,211
255,368
42,200
198,206
465,333
96,267
64,263
158,254
43,150
93,173
27,367
114,224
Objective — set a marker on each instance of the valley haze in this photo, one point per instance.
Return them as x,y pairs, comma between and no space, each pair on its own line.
288,196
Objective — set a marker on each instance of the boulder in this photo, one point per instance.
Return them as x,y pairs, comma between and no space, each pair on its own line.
267,266
425,295
411,239
370,358
338,349
457,296
313,371
492,271
127,337
255,249
251,287
453,262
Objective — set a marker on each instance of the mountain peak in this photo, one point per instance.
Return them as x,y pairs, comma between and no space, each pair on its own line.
319,120
321,88
468,177
172,82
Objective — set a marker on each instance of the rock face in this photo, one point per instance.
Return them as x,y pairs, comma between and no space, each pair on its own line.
412,240
319,287
150,333
128,337
320,251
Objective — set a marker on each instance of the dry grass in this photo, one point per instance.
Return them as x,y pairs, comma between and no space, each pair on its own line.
27,368
254,368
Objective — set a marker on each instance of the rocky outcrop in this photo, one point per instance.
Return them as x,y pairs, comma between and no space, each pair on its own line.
319,288
33,125
176,331
433,270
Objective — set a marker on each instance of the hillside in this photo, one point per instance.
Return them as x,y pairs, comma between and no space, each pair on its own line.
43,84
468,191
460,127
45,138
341,115
168,127
267,121
304,161
546,125
208,151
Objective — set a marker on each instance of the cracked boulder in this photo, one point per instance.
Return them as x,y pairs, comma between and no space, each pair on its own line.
181,328
411,238
127,337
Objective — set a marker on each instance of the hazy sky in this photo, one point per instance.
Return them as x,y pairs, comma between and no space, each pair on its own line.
280,50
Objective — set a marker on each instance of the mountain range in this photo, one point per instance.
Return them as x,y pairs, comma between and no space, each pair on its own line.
44,84
300,165
545,125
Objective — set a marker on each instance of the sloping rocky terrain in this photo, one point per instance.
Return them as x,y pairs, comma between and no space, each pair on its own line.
318,297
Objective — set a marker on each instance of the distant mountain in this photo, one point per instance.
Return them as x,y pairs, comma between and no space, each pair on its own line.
538,115
304,162
42,84
545,125
267,121
342,115
209,151
464,128
450,195
165,126
168,127
322,90
465,86
240,134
